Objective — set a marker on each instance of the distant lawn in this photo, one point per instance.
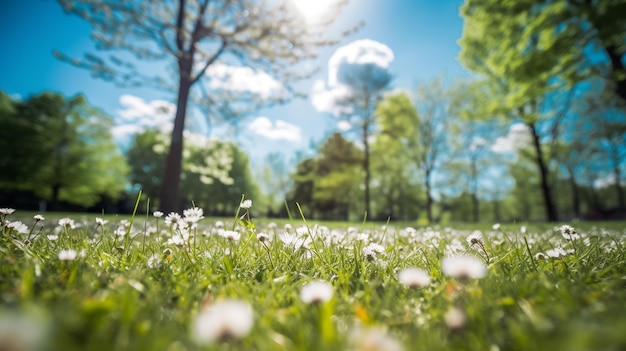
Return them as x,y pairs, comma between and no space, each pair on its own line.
191,283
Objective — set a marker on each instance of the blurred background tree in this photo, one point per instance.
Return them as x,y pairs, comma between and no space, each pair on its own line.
59,149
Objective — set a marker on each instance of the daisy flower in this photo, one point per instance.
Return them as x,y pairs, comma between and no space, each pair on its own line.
6,211
38,217
316,292
67,255
414,278
569,232
157,214
67,223
225,320
246,204
463,267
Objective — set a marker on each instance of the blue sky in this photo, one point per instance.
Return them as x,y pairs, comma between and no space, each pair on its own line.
422,35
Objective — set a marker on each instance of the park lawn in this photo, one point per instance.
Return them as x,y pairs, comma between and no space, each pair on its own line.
154,286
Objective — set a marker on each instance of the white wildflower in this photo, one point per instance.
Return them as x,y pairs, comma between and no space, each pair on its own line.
316,292
463,267
569,232
455,318
101,221
157,214
225,320
6,211
193,215
246,204
67,223
67,255
414,278
18,226
38,217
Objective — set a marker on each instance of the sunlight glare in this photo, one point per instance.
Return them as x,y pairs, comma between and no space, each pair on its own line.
315,11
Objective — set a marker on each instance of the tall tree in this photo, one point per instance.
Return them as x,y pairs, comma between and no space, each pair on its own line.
61,150
524,49
192,36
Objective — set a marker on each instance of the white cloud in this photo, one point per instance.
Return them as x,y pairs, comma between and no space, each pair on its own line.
278,130
353,67
243,80
517,138
137,114
344,125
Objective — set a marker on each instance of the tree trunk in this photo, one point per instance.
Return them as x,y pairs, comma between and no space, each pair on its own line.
170,201
476,208
551,214
618,185
366,168
54,200
429,199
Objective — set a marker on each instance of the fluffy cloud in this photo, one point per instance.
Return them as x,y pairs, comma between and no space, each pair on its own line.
362,64
278,130
137,114
242,79
517,137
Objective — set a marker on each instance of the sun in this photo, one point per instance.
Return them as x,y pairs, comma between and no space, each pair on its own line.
316,11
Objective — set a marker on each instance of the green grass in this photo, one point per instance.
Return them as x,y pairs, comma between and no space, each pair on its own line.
110,298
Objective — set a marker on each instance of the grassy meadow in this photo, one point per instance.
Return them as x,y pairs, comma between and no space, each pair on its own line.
185,282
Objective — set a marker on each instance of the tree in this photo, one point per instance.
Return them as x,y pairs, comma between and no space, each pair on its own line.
215,174
324,185
192,36
532,39
524,49
61,150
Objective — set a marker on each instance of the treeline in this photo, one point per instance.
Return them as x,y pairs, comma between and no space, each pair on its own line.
428,160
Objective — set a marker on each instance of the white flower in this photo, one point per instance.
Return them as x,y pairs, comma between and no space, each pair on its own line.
157,214
463,267
67,255
316,292
154,261
53,237
414,278
18,226
223,321
193,215
100,221
172,219
246,204
67,223
559,252
262,237
475,238
373,339
6,211
540,256
219,224
230,235
38,217
496,226
522,229
455,318
176,240
569,232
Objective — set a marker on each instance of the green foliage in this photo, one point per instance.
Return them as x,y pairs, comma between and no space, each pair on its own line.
60,149
215,173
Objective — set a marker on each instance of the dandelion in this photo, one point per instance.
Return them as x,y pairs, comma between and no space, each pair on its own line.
569,232
67,223
67,255
463,267
223,321
414,278
476,238
157,214
455,318
38,217
316,292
